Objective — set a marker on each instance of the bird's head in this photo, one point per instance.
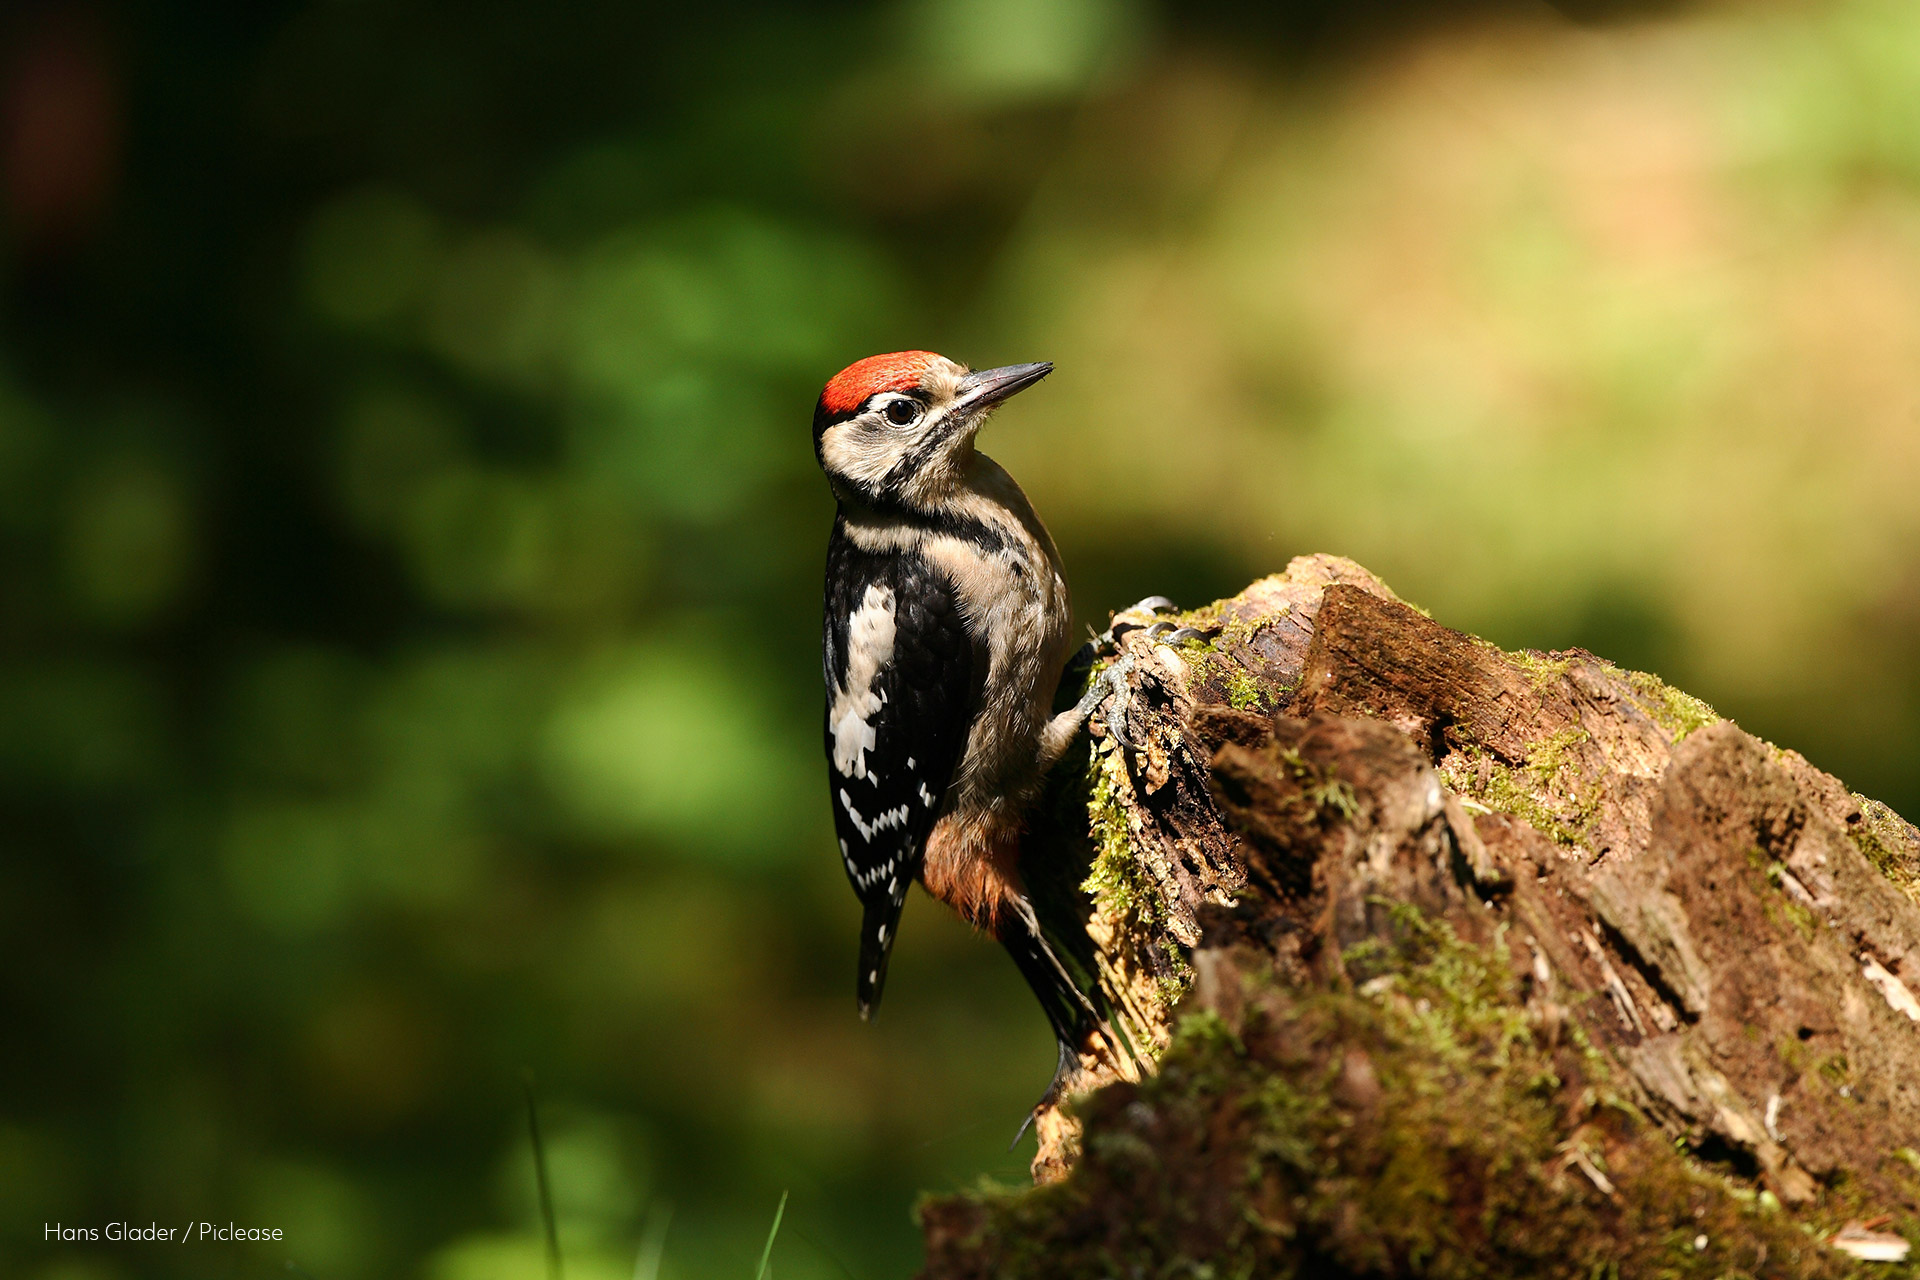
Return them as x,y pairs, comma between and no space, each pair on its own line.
898,429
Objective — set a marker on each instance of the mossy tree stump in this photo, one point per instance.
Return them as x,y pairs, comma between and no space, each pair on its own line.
1457,962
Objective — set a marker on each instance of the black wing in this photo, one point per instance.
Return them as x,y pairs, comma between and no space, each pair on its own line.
902,679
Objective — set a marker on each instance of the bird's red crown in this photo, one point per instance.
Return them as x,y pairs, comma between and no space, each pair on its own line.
848,389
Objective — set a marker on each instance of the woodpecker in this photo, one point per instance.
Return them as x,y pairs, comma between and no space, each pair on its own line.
946,632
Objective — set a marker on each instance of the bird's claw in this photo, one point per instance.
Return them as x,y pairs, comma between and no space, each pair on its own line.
1067,1068
1069,1062
1135,616
1164,632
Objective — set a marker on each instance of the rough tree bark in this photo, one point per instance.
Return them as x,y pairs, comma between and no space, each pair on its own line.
1456,962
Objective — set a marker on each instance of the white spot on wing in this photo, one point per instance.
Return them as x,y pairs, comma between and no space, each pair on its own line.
869,648
894,817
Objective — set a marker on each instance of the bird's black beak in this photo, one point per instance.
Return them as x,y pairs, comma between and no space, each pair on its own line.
988,387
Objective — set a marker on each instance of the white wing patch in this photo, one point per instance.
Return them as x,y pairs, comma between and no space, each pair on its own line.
869,648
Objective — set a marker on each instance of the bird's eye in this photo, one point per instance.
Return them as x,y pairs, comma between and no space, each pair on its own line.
901,412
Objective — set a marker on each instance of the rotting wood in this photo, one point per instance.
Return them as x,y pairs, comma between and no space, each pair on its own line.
1349,871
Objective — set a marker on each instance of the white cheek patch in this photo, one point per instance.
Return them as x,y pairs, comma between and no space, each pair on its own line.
869,648
862,451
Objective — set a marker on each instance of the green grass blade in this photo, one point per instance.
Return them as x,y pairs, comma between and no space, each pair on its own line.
653,1244
547,1218
766,1254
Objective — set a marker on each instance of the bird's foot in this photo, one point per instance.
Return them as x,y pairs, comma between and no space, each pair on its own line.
1145,613
1063,1072
1111,683
1111,691
1110,686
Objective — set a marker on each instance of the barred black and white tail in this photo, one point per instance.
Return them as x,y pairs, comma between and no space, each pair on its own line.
879,926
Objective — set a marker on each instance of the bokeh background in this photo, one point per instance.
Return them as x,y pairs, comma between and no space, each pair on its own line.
410,539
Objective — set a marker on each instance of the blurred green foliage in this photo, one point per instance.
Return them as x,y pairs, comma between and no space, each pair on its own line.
410,542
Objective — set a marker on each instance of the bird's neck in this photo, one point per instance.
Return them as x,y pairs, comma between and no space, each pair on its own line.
980,503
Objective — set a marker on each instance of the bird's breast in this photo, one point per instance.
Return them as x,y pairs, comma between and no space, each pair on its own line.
988,543
1014,602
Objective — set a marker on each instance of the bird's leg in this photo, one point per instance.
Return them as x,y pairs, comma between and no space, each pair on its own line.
1060,730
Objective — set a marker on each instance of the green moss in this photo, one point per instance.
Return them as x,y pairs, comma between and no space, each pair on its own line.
1541,670
1177,980
1676,712
1323,791
1549,756
1413,1125
1873,843
1207,660
1881,836
1561,808
1333,797
1238,632
1121,888
1205,664
1244,692
1439,1021
1115,879
1205,1029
